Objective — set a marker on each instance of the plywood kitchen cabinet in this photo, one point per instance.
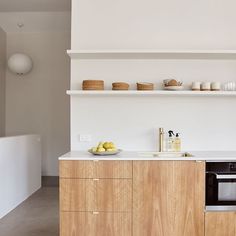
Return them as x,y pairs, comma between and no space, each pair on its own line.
132,198
220,224
96,198
168,198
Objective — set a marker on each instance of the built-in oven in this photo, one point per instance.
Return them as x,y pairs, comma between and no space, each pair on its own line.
220,186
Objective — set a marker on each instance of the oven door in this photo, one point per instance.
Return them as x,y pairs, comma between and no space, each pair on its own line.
221,192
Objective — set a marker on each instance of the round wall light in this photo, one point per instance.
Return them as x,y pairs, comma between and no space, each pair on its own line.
20,64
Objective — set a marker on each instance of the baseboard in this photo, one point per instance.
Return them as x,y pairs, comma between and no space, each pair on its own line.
50,181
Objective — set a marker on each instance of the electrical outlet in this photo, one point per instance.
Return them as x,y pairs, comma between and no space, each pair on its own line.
85,138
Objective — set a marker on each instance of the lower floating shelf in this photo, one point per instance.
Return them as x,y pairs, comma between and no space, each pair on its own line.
151,93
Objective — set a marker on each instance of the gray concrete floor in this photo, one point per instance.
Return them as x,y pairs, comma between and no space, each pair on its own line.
37,216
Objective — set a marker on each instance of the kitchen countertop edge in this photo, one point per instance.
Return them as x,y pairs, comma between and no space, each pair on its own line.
135,155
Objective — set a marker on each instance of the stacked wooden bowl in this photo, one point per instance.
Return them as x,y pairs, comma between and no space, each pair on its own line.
172,82
120,86
145,86
93,85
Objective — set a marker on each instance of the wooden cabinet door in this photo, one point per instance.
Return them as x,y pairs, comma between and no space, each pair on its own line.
96,195
168,198
220,224
90,224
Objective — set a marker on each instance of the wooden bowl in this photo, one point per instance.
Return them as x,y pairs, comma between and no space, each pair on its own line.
172,82
120,86
145,86
93,85
93,82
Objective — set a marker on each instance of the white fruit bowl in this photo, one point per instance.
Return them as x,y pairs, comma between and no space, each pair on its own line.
105,153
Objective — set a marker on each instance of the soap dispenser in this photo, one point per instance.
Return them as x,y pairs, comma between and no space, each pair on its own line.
177,143
170,141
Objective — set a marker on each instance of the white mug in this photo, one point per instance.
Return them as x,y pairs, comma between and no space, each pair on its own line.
206,86
196,86
215,86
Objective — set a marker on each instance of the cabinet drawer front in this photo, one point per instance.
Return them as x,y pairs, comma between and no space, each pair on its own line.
89,224
96,169
95,194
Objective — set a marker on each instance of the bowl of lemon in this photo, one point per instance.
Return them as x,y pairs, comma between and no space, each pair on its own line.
105,149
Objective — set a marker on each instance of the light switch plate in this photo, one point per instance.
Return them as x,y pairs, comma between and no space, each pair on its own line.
85,138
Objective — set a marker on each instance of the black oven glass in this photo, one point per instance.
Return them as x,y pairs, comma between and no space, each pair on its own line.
220,183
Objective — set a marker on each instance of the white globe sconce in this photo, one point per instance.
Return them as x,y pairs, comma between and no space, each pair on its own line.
20,64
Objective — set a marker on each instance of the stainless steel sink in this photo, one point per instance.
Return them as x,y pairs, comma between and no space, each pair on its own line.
165,154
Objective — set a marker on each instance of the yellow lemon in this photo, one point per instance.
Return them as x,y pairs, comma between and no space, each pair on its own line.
106,145
100,144
101,150
111,145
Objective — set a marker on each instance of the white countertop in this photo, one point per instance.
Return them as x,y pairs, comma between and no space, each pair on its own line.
131,155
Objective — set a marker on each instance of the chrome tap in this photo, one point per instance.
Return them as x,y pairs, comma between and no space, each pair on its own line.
161,139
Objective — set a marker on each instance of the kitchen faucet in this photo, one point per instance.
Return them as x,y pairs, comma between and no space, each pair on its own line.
161,139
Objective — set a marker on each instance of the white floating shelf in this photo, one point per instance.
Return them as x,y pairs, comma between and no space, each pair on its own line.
152,54
150,93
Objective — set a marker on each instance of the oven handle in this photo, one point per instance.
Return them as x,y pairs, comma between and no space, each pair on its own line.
225,176
218,176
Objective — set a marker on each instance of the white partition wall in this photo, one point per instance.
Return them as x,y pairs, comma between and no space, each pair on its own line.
20,170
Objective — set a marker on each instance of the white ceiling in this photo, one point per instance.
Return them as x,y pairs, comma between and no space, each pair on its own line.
34,5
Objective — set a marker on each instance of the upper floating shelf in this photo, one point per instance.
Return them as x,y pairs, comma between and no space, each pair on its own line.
152,54
151,93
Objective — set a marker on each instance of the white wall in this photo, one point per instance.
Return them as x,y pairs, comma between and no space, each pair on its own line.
132,122
152,24
2,80
37,102
20,170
